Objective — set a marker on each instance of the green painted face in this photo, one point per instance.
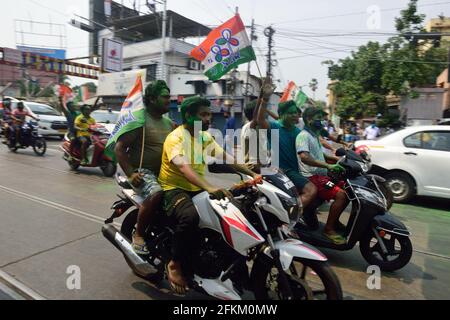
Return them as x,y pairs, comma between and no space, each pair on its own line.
291,116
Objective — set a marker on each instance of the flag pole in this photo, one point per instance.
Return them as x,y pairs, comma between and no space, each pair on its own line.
143,143
142,148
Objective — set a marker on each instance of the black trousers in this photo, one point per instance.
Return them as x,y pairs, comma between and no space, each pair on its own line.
179,207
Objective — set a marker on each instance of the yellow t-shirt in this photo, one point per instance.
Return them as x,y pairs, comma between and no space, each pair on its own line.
84,123
181,143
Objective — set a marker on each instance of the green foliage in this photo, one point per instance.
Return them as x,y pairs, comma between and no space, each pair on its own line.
376,70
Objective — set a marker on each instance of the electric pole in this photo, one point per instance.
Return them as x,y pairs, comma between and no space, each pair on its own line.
253,37
163,40
269,32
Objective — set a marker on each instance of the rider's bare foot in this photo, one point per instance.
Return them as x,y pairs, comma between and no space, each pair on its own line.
176,278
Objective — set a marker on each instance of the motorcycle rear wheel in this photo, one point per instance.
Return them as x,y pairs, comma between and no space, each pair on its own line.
40,146
129,224
320,271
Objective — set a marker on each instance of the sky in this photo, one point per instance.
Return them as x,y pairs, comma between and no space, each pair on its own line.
307,32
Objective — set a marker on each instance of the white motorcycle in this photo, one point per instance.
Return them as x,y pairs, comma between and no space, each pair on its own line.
244,244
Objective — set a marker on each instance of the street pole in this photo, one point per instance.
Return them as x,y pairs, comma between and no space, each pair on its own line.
269,32
247,85
163,40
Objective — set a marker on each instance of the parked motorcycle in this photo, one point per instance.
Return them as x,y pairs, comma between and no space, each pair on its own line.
383,239
29,137
95,153
254,226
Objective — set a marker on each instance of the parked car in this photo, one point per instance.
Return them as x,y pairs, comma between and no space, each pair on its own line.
414,161
444,122
51,122
107,118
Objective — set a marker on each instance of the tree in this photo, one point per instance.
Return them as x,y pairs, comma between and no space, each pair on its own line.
376,70
314,85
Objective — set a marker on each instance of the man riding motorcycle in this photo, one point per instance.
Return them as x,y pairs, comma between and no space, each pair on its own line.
82,124
128,153
19,116
314,165
182,177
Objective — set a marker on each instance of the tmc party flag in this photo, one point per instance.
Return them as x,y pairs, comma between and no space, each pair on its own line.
293,92
225,48
64,91
132,116
83,94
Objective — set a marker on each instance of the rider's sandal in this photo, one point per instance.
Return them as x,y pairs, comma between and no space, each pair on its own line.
140,248
177,288
336,238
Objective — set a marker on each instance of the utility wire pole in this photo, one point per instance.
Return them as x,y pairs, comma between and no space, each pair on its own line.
163,40
269,32
253,37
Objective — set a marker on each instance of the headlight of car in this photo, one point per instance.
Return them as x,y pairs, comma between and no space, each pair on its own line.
291,205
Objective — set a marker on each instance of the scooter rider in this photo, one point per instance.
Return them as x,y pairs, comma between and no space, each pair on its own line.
128,153
6,119
182,177
314,166
19,115
82,124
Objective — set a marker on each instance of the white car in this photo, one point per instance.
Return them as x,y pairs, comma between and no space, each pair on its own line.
107,118
51,122
414,161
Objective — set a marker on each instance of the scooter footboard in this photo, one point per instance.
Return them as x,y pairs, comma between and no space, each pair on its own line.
291,248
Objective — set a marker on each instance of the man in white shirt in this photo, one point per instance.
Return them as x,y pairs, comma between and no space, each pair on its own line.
254,141
372,132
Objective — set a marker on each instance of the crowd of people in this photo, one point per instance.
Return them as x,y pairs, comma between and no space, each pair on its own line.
172,171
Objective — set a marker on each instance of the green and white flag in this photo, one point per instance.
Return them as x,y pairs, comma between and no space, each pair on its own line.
132,116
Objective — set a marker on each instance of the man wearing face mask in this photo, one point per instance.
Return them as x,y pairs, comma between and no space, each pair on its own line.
182,177
314,166
286,125
128,153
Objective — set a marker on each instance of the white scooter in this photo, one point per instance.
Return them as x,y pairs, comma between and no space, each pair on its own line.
253,227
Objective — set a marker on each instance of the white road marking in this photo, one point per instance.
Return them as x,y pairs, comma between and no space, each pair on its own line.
54,205
19,286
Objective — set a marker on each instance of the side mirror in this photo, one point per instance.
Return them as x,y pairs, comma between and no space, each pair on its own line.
341,152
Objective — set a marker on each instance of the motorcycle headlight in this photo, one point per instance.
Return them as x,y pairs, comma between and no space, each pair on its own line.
291,205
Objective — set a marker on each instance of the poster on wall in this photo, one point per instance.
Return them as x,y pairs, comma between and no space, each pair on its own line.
118,83
112,55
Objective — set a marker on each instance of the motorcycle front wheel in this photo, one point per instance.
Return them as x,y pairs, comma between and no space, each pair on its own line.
109,169
399,251
308,279
40,146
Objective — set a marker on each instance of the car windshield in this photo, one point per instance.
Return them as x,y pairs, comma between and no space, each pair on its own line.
105,117
42,109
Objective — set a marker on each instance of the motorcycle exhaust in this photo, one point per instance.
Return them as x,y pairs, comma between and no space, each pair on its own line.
141,267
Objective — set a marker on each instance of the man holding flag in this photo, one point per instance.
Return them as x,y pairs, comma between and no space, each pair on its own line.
137,142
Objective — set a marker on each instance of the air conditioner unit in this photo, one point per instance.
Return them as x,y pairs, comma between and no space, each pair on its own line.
194,65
